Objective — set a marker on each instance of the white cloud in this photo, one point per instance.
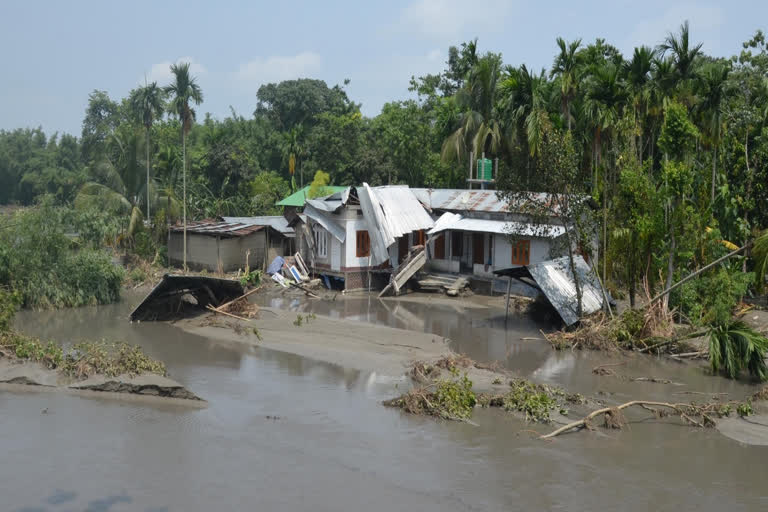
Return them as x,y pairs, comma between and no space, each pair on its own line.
442,19
161,72
263,70
705,22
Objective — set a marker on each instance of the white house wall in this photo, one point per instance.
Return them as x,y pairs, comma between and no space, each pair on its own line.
350,251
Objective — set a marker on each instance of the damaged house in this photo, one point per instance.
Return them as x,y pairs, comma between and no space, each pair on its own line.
361,235
225,244
476,233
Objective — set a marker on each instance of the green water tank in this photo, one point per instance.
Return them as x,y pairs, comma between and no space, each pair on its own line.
484,169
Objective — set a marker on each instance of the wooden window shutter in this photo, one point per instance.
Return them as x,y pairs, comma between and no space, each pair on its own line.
363,244
521,252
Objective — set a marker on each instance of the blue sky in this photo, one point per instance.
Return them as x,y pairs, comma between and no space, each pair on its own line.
55,53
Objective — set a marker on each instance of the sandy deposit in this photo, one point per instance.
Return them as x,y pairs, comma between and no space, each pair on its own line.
15,374
387,351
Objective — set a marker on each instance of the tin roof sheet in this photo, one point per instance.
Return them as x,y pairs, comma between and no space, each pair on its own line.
276,222
555,279
218,228
456,222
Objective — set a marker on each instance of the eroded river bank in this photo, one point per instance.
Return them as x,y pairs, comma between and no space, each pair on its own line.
286,432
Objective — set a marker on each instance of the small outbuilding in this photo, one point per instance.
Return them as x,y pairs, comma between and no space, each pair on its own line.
226,245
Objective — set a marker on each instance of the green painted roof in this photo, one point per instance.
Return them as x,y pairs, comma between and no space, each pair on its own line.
299,197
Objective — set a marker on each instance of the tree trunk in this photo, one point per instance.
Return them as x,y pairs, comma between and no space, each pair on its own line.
148,217
670,267
184,187
632,272
714,174
748,193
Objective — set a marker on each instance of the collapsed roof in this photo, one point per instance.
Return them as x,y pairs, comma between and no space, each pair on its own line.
555,280
389,211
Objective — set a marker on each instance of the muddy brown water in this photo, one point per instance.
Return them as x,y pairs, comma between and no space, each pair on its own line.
286,433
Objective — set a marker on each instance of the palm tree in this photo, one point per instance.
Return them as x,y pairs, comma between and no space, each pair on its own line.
526,98
479,126
603,101
293,149
115,183
147,101
712,84
679,48
184,89
638,78
566,68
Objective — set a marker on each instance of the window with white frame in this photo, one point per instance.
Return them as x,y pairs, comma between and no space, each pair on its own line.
321,241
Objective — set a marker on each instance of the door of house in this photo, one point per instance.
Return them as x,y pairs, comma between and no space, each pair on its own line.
402,249
335,254
478,248
466,253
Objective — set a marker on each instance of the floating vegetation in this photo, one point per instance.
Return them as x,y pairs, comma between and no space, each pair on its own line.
300,320
446,399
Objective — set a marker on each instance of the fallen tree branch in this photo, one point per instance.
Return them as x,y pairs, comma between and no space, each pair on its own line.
685,355
669,342
584,421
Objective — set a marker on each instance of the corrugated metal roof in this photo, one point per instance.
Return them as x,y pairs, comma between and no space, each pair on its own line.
276,222
218,228
555,279
403,210
390,212
473,200
456,222
326,220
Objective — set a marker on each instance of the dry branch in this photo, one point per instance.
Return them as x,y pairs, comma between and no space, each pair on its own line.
224,306
228,314
687,412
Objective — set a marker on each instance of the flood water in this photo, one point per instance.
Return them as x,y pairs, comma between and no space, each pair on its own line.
286,433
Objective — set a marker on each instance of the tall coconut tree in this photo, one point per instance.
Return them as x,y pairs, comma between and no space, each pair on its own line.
147,102
638,78
712,81
115,182
525,99
479,127
566,67
184,89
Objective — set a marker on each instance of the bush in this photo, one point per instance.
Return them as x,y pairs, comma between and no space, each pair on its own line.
252,278
712,298
9,301
49,266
